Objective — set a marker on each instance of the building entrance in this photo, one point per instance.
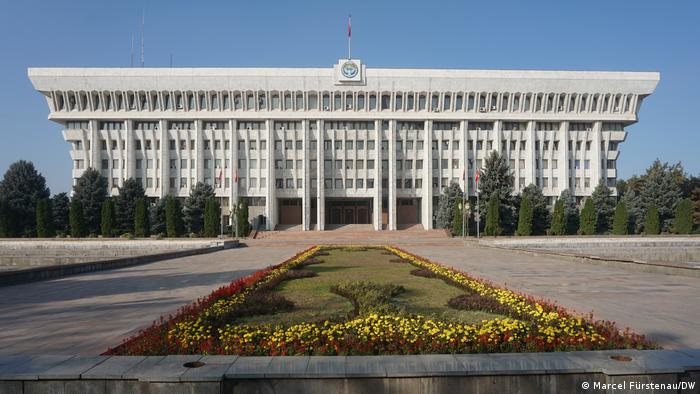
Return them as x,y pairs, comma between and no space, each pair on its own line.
349,211
290,211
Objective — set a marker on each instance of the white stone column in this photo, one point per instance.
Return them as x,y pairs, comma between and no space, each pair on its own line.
392,174
530,156
596,172
427,199
130,150
377,175
164,158
199,134
233,168
271,195
320,164
95,147
563,157
463,148
306,178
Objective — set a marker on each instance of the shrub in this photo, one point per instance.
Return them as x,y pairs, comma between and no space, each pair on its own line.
424,272
558,219
127,236
369,297
474,301
458,220
108,219
493,220
212,220
621,220
44,223
77,221
683,220
651,223
173,217
399,261
140,218
257,303
525,217
588,218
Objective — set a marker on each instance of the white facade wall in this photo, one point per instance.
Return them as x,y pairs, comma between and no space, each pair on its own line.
307,134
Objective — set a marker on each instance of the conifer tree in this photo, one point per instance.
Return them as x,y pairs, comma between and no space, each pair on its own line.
140,218
108,218
651,221
77,220
683,220
621,220
447,202
173,217
90,190
588,218
604,206
458,220
44,222
193,209
242,219
493,226
125,205
21,188
212,219
497,178
558,219
60,208
541,216
525,217
570,212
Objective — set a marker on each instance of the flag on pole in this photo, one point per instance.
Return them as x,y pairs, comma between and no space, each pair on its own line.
235,177
349,26
221,176
477,176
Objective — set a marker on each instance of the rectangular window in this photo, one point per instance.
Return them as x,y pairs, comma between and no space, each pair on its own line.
370,164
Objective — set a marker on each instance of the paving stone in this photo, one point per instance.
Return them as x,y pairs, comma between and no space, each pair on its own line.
213,369
113,368
364,366
402,366
442,365
248,368
135,371
287,366
32,368
168,369
72,368
325,366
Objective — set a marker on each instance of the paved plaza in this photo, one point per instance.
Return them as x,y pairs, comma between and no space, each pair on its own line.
85,314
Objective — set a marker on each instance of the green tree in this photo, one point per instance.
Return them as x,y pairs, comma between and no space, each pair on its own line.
662,188
652,225
193,209
125,205
604,206
173,217
558,219
60,207
683,220
588,218
77,219
540,213
108,218
157,216
21,188
44,220
493,221
695,198
5,230
447,202
635,211
570,212
497,179
621,186
242,219
621,220
140,218
212,218
91,190
458,220
525,217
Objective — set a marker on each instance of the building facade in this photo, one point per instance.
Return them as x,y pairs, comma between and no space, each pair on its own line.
318,147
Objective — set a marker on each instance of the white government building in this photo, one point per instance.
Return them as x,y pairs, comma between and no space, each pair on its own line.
317,147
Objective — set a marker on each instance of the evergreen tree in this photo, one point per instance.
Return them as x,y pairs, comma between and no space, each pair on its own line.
558,219
458,220
77,219
621,220
157,216
540,213
588,218
21,188
635,211
493,221
695,198
125,205
44,222
447,202
570,212
683,220
497,178
193,209
140,218
173,217
652,224
90,190
621,187
525,218
108,218
60,207
5,230
242,219
604,206
212,218
661,187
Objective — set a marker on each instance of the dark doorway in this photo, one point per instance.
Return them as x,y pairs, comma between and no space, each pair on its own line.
290,211
345,211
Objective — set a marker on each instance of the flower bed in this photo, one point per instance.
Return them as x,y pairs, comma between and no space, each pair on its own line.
531,325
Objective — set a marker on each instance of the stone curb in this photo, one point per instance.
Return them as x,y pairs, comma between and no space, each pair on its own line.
197,368
10,278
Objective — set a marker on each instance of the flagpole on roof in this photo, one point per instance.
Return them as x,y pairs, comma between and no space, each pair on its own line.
349,34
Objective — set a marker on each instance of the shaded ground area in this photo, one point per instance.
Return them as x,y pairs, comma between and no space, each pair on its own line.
85,314
314,300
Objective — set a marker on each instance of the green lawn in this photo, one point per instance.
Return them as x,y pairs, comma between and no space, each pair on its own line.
314,301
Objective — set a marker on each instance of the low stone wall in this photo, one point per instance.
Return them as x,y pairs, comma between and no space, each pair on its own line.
565,372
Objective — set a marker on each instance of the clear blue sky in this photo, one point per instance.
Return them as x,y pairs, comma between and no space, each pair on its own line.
569,35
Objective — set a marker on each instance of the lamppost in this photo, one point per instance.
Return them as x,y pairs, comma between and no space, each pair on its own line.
465,219
234,213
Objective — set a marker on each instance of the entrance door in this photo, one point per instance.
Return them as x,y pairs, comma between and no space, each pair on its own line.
349,215
362,215
336,215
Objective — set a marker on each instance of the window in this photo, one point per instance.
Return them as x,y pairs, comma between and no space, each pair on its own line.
419,164
290,183
409,164
279,183
399,164
521,164
183,183
370,183
587,164
360,165
370,145
279,165
105,164
577,164
338,183
289,164
370,164
348,164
